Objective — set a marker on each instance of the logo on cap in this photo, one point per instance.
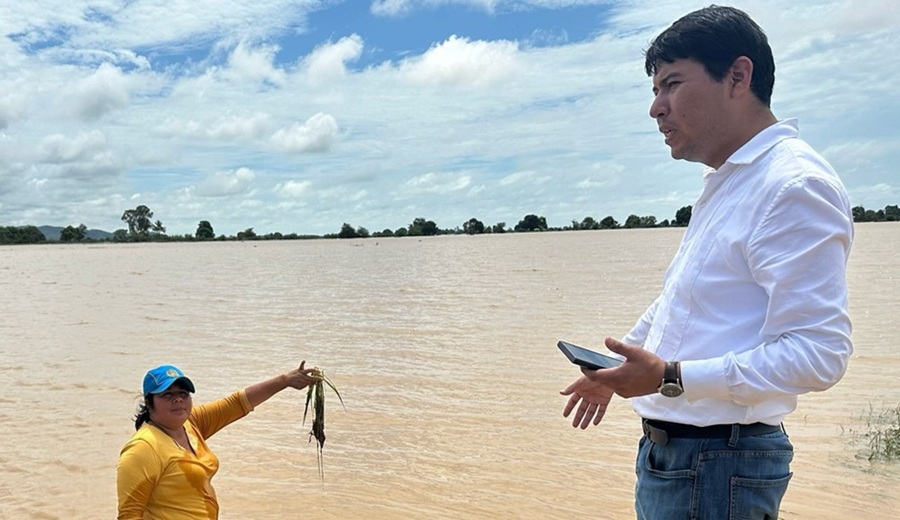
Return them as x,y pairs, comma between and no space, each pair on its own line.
171,372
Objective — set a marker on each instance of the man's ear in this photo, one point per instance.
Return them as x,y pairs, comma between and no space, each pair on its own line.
740,74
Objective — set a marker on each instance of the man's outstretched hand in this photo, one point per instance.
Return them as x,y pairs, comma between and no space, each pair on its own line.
639,374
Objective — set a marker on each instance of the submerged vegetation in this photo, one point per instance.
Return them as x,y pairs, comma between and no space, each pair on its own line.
881,436
316,395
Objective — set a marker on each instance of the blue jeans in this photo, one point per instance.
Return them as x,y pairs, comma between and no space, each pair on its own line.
737,478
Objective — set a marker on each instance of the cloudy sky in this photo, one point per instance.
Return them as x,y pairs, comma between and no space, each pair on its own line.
300,115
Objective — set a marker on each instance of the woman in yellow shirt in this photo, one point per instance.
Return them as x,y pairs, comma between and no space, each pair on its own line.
164,471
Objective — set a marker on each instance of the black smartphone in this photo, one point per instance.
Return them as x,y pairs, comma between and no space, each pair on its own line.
587,358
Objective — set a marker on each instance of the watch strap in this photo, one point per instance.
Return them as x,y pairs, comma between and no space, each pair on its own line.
671,383
672,373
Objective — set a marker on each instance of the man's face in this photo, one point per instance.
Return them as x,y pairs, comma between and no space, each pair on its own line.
689,107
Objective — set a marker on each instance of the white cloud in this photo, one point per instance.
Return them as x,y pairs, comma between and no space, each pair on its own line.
248,127
292,188
327,62
860,151
176,128
390,7
315,135
12,107
874,196
99,101
58,160
460,62
96,169
254,64
524,177
866,17
227,128
59,149
603,175
227,183
396,8
174,24
100,93
437,183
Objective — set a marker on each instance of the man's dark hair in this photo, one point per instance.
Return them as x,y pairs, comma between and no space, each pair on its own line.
716,36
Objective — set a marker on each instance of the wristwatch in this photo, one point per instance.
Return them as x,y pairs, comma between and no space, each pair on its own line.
671,382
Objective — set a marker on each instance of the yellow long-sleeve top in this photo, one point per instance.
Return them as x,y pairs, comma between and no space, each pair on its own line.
158,479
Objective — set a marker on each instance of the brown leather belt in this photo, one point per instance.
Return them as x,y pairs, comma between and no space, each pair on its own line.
661,431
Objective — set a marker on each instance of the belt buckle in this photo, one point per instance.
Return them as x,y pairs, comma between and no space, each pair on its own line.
656,435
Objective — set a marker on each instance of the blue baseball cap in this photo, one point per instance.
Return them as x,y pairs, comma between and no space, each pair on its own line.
162,377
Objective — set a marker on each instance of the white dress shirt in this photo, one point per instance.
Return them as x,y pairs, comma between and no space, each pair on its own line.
754,304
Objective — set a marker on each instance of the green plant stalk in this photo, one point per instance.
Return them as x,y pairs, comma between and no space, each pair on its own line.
882,434
316,395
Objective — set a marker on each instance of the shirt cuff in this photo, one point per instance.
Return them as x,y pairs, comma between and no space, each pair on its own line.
704,378
245,403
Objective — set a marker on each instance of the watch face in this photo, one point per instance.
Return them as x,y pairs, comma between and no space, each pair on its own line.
671,390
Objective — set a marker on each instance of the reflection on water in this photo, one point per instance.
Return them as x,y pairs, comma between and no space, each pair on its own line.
444,351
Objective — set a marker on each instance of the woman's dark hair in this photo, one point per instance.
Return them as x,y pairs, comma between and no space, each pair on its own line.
143,414
716,36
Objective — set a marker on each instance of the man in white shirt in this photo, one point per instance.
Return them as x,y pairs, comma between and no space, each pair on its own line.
753,311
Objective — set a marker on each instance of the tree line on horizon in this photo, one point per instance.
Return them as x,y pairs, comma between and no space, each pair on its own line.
142,228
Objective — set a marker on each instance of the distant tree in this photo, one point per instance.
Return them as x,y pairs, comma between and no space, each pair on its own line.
589,223
648,221
138,220
386,232
401,232
362,232
21,235
892,213
159,228
422,227
120,235
499,227
347,231
664,223
633,221
532,223
473,226
683,216
31,235
205,231
72,234
609,223
859,214
246,234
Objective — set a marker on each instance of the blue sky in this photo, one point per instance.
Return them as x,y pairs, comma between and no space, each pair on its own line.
300,115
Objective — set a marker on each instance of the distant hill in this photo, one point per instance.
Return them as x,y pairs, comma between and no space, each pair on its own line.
52,233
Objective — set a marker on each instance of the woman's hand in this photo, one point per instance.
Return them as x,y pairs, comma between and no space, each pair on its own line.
298,378
302,377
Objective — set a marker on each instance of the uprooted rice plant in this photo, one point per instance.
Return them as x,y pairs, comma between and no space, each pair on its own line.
316,395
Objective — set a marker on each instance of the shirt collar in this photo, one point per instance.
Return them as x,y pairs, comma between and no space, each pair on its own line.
759,144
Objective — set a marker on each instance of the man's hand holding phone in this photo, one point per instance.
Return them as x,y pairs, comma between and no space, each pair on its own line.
640,374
